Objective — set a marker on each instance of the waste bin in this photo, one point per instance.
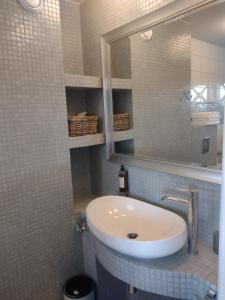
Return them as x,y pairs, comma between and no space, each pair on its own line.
79,287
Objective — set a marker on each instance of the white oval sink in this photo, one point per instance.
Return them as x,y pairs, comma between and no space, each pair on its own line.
159,231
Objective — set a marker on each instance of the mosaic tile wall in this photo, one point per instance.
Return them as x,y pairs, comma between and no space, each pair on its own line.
80,164
71,37
121,58
166,58
152,185
38,251
98,17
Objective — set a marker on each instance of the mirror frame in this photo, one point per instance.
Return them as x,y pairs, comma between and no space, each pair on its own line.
161,15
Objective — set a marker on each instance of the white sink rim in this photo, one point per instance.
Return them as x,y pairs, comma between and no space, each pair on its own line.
148,247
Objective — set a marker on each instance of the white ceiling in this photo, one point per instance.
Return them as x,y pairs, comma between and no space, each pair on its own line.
209,24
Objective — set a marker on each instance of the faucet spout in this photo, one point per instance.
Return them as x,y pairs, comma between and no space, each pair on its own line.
192,203
175,199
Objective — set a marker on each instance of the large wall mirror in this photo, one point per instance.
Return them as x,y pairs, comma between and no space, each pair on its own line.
164,88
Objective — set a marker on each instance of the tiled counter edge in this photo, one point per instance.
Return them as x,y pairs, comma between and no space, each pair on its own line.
179,276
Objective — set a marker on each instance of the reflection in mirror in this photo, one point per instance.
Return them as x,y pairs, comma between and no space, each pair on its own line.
170,101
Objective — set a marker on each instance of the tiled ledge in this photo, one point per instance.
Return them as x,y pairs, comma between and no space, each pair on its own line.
95,82
123,135
82,81
180,276
121,84
86,140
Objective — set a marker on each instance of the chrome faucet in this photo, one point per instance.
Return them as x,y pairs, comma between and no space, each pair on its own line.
211,295
192,202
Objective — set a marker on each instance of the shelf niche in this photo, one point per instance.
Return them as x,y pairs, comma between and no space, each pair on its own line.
125,147
122,103
84,176
90,101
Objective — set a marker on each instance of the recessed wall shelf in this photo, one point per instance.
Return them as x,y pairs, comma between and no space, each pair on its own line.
83,81
95,82
86,140
85,94
85,176
120,136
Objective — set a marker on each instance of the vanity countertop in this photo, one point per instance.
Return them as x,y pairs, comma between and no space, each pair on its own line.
204,264
179,275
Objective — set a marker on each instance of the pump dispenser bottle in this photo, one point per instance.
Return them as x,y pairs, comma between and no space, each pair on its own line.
123,181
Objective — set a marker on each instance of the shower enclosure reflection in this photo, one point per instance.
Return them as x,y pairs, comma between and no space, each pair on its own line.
175,100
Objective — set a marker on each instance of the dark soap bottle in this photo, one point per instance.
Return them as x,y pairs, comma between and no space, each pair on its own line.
123,180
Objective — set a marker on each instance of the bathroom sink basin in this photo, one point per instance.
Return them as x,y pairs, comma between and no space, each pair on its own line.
136,228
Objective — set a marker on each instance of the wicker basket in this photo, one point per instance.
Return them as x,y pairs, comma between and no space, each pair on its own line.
121,122
82,125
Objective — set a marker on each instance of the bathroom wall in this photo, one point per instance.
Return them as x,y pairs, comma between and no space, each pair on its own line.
71,37
98,17
38,251
80,163
208,64
181,62
38,247
173,62
208,70
161,70
149,185
121,58
104,16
